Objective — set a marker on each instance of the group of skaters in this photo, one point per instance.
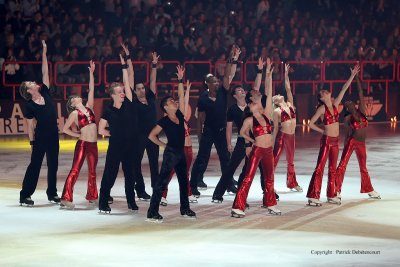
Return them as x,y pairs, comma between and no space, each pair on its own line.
266,125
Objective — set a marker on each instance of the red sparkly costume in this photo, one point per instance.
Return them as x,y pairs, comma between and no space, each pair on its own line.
329,148
83,149
358,146
257,155
287,141
189,158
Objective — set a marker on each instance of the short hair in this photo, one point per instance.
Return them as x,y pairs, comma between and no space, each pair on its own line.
68,105
23,91
111,88
138,84
233,91
163,102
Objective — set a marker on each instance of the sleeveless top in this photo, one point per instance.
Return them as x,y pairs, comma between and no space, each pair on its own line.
359,124
84,120
285,116
259,130
328,117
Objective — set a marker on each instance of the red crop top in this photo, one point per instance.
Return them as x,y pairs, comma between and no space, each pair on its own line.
285,116
359,124
259,130
329,118
84,120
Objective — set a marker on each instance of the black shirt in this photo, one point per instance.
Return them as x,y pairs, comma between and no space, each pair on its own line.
175,132
215,110
122,122
235,114
45,115
147,114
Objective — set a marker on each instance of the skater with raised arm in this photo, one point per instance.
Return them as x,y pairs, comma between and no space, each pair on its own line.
82,117
356,123
41,115
174,155
329,144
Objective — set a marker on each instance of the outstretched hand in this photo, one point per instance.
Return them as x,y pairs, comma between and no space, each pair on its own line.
155,57
188,85
261,63
92,67
355,70
236,52
180,72
287,69
125,48
44,46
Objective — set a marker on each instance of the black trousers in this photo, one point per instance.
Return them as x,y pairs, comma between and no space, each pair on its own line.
143,143
208,138
50,147
117,154
173,159
238,154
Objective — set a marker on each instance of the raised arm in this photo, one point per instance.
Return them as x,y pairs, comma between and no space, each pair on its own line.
102,128
153,136
230,68
67,126
128,60
287,85
187,97
268,88
128,91
339,98
45,66
361,106
314,118
257,82
181,91
90,102
153,74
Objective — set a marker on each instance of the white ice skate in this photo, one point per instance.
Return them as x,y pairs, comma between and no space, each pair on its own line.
237,213
374,195
192,199
297,188
67,205
164,202
334,200
273,210
338,195
314,202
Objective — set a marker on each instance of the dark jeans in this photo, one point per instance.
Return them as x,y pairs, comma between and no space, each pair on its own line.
173,159
117,154
208,138
142,144
238,154
50,147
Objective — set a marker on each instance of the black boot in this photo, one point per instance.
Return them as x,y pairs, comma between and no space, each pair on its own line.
132,206
202,185
110,200
196,192
143,196
54,199
27,201
188,213
154,216
217,199
232,189
103,207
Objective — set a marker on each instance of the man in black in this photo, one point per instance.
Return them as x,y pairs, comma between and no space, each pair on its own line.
174,156
43,135
212,108
121,119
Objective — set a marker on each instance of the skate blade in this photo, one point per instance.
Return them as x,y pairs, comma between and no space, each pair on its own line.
375,197
26,205
334,202
215,201
134,211
235,215
189,217
153,220
104,212
54,202
64,207
144,199
313,204
193,201
231,193
271,212
163,204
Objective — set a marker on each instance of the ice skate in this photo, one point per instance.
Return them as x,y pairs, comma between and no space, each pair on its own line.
154,217
338,195
232,190
110,200
273,210
188,213
202,185
54,199
192,199
297,188
196,192
164,202
26,201
237,213
314,202
143,196
217,199
67,205
374,195
103,207
334,200
133,207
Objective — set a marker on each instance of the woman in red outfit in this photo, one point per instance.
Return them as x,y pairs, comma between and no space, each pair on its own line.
284,132
356,123
258,149
82,117
329,145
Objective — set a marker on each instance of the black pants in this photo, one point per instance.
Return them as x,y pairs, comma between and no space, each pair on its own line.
50,147
142,144
172,159
238,154
208,138
117,154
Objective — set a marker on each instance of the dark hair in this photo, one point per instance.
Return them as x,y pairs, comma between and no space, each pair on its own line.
319,101
163,102
23,91
233,91
68,105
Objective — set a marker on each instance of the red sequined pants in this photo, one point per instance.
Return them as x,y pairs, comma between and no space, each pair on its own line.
83,150
350,146
329,148
266,157
189,158
286,141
